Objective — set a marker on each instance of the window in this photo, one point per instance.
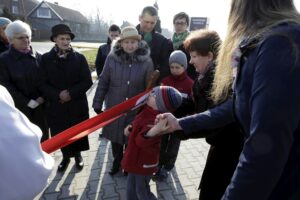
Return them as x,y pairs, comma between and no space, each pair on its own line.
44,13
15,10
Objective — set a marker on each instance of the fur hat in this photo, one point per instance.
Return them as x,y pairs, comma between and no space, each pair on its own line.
61,29
178,57
130,32
167,98
4,21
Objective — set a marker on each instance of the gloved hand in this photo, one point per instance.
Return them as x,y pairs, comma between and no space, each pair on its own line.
98,110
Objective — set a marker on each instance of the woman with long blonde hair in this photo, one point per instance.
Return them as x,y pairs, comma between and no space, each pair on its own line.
260,60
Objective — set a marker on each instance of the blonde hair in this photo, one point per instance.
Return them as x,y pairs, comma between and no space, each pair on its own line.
247,19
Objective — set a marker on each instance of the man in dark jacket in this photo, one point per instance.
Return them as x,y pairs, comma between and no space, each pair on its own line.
113,32
160,46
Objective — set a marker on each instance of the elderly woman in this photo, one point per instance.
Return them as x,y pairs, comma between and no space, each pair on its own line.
66,78
3,39
19,73
124,75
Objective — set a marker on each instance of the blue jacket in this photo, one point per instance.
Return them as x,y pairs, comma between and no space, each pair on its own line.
266,103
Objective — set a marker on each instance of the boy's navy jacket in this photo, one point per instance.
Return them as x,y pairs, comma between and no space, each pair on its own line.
266,103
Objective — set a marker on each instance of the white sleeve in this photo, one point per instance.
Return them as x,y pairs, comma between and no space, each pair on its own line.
24,167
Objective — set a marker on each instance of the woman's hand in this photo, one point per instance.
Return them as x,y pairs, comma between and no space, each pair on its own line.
172,122
158,129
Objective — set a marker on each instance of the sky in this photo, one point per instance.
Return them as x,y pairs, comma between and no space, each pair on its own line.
117,11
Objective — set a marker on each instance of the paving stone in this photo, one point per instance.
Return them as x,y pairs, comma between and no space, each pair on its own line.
94,182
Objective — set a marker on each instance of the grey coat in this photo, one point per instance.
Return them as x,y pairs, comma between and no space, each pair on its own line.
123,77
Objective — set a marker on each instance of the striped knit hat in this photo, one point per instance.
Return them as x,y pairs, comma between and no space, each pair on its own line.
167,98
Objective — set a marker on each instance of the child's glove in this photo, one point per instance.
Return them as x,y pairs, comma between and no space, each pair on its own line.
127,130
158,128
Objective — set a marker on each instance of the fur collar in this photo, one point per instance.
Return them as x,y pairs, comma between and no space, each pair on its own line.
140,55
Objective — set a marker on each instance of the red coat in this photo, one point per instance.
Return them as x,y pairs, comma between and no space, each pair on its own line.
183,83
142,154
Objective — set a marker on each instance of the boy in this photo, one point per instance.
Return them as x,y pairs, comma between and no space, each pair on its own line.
142,154
183,83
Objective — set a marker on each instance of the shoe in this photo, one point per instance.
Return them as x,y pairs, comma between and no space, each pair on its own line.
63,165
160,175
113,171
79,162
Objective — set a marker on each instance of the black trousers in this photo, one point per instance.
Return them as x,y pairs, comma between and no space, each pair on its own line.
117,151
170,144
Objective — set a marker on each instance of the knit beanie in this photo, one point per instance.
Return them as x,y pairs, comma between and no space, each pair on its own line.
4,21
167,98
178,57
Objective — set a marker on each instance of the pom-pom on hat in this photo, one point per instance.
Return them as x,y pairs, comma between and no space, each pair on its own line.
130,32
167,98
178,57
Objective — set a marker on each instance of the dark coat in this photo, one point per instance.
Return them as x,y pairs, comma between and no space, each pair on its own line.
74,75
161,48
102,53
266,104
3,46
226,144
123,77
20,74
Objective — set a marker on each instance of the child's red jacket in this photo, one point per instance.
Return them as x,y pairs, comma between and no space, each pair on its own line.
142,153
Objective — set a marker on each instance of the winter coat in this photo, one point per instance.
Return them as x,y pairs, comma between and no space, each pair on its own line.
142,153
23,163
226,144
103,51
3,46
20,74
161,48
183,83
266,105
123,77
71,73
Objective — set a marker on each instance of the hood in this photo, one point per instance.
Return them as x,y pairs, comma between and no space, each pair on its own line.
140,55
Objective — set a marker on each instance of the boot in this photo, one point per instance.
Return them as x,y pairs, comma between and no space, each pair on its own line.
63,165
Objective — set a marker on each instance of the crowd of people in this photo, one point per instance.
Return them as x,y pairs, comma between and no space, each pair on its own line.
239,94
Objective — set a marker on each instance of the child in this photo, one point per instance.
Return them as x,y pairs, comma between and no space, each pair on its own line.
183,83
142,154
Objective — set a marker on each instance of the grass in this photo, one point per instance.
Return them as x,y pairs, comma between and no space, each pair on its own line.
90,56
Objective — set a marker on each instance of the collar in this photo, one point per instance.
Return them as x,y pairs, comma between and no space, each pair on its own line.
179,77
17,54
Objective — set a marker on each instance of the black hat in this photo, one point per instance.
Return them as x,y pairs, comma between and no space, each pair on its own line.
61,29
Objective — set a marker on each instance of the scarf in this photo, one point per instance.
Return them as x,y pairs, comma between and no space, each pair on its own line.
147,37
178,39
62,53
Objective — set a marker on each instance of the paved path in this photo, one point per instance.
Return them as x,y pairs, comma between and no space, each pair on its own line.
94,182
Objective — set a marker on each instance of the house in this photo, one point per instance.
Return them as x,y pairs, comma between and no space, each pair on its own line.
43,15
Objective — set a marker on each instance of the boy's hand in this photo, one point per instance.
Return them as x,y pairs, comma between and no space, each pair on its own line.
127,130
159,128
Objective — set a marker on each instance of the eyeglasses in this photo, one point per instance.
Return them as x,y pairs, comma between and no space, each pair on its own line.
180,23
22,38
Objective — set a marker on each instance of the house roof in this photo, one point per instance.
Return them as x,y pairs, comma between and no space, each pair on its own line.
65,14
